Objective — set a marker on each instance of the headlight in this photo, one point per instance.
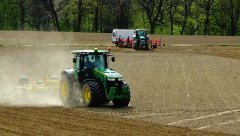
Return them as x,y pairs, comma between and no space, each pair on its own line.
111,79
120,79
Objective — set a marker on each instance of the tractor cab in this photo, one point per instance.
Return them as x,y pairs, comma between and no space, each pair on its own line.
142,32
141,39
85,61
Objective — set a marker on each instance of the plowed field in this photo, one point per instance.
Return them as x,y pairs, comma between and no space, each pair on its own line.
176,90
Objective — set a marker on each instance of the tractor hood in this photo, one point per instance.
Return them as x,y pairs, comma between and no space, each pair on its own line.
109,74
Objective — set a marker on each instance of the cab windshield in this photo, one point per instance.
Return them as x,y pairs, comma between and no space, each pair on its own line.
94,61
142,33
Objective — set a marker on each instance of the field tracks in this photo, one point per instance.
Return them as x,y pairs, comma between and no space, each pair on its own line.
203,122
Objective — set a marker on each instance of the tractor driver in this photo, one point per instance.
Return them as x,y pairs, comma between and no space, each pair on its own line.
88,63
98,62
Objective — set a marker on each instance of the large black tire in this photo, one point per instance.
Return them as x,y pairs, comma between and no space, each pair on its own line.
103,98
147,47
92,94
23,81
125,102
67,91
122,103
135,46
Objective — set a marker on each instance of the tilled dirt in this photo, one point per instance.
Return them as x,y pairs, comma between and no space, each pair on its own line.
29,38
187,90
64,121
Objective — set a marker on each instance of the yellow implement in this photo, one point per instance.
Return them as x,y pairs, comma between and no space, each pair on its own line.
49,83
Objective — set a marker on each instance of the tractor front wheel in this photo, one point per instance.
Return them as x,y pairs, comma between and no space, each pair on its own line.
135,46
123,102
92,94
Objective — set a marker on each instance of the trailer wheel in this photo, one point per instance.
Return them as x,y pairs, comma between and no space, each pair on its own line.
23,81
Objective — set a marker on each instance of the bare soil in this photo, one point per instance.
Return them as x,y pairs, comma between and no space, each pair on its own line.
176,89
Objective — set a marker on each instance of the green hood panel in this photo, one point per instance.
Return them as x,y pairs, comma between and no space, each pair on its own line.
107,73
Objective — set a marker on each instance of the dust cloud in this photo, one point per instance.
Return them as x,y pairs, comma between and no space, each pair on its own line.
35,63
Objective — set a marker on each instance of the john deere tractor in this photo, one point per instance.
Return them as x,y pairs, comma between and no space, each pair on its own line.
91,82
141,39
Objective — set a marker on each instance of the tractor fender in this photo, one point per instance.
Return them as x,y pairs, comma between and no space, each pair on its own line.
87,80
90,80
69,73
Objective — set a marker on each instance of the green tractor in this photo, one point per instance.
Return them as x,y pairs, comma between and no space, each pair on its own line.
91,82
141,39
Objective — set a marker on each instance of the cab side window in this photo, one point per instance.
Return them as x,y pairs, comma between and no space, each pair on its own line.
114,34
88,62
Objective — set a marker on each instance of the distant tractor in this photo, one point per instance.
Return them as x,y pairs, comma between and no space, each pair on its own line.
91,82
141,39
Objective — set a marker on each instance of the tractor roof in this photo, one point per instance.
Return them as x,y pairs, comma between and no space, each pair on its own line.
141,29
89,51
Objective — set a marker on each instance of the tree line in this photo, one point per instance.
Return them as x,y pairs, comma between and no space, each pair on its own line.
175,17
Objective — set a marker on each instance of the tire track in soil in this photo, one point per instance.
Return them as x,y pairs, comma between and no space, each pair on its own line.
48,121
201,99
54,119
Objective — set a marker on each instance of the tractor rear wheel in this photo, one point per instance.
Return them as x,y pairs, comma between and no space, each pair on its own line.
92,93
77,98
66,91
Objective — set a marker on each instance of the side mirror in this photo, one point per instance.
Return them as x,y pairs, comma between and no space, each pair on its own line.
113,59
74,60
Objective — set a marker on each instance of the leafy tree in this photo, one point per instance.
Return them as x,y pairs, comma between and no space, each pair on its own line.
50,7
64,15
155,12
123,13
22,13
220,18
185,12
173,4
232,10
39,18
9,15
206,7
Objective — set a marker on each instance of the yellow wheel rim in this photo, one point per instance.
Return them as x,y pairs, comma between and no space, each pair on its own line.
87,94
64,90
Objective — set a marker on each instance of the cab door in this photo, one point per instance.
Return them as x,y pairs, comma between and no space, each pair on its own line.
86,71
